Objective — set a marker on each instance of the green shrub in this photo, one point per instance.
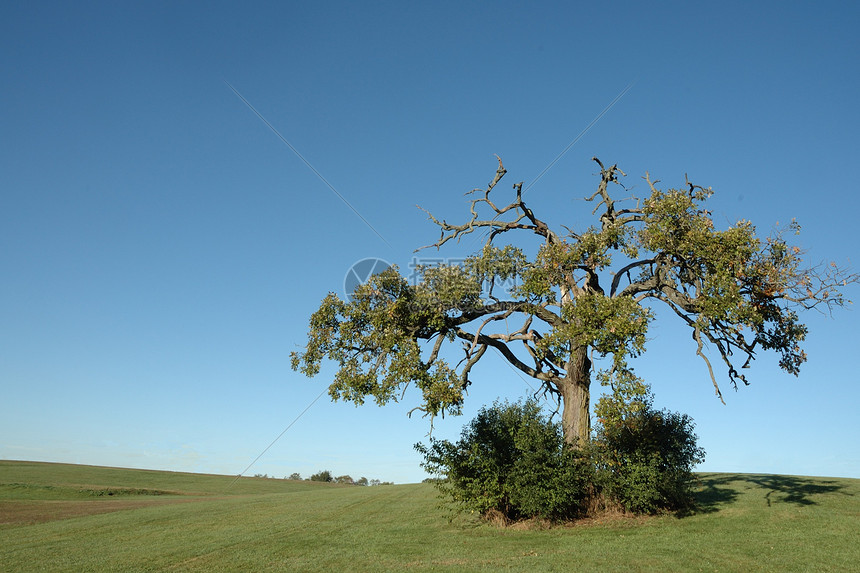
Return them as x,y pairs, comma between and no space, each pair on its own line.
645,460
512,460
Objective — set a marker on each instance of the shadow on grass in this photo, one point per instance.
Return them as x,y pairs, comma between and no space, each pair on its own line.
716,491
795,490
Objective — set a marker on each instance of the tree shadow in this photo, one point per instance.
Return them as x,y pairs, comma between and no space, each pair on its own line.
717,491
796,490
712,493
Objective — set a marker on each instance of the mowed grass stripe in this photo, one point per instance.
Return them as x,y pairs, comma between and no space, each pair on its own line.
27,512
218,531
761,523
94,477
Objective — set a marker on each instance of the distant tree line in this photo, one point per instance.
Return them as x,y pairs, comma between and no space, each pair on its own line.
328,477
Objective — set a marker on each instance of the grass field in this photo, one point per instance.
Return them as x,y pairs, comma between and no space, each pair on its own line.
56,517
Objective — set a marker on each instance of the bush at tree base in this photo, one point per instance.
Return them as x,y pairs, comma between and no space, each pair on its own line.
645,461
512,459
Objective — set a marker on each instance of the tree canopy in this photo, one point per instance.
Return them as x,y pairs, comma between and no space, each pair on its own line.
584,292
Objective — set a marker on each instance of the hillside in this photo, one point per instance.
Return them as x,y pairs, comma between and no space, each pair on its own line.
75,518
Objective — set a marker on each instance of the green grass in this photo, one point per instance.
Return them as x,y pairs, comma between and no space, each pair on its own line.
52,518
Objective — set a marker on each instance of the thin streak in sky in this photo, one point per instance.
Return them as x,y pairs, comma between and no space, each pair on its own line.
580,136
279,437
305,161
575,139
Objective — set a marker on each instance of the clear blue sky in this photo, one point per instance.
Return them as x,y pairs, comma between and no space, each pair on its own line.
161,249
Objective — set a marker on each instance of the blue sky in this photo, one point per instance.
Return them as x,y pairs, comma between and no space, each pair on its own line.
161,249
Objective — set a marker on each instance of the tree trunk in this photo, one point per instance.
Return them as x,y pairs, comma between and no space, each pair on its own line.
575,395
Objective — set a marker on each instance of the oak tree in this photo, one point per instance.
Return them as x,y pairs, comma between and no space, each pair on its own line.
581,294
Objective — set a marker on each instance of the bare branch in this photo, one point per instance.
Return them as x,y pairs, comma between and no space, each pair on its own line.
472,359
626,271
607,176
539,311
436,348
502,316
494,225
507,353
698,338
819,286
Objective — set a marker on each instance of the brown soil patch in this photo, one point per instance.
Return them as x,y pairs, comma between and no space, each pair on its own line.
28,512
